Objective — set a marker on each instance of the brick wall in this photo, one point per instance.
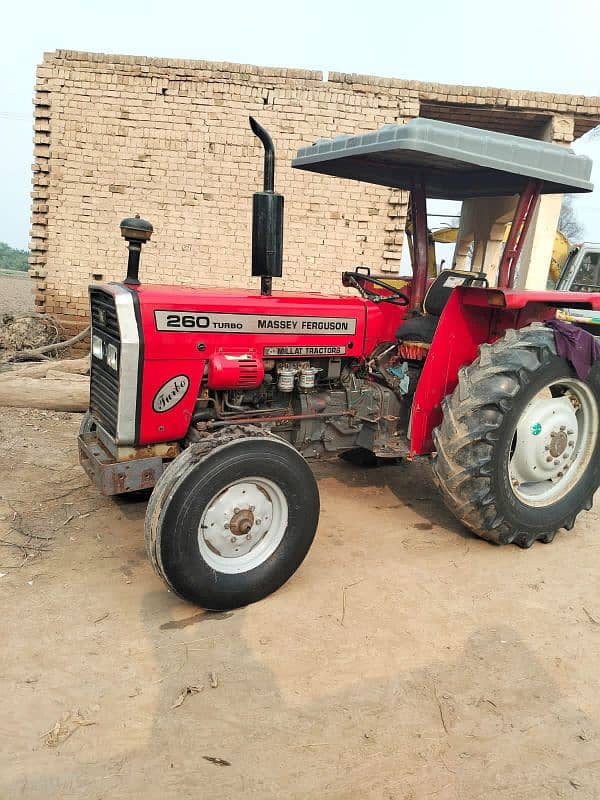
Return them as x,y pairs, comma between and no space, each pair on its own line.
169,139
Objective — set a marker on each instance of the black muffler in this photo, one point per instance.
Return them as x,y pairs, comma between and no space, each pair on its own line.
136,232
267,219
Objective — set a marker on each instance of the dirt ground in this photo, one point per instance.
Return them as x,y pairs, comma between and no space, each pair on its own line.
405,660
16,293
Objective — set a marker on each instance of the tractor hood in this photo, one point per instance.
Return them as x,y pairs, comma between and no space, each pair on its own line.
453,162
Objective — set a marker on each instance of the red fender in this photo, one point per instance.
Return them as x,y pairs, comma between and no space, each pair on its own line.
470,317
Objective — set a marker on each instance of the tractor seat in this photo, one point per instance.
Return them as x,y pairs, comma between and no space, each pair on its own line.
418,329
422,328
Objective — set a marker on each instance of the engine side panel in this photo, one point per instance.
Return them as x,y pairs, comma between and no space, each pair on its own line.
183,328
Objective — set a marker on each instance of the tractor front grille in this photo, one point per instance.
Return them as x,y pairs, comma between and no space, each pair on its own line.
104,381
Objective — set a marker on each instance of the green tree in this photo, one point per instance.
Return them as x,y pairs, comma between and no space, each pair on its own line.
568,222
11,258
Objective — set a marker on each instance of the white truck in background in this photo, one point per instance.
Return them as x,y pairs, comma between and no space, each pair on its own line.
581,273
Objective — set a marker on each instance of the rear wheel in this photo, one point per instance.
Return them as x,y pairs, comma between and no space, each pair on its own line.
232,518
518,451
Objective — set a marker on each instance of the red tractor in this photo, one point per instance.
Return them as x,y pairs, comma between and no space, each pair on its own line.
215,398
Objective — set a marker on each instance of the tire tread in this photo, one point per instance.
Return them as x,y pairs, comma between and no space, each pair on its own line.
462,468
176,472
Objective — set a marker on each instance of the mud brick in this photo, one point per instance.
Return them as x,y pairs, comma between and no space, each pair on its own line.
169,139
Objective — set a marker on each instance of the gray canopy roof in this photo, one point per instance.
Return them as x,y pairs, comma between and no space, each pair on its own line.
454,161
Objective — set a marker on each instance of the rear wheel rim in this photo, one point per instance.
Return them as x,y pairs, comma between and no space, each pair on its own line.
242,525
553,442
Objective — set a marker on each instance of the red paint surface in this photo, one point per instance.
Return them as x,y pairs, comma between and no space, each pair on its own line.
468,320
170,353
459,333
513,298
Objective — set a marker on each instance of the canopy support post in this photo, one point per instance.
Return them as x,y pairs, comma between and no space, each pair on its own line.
518,231
418,203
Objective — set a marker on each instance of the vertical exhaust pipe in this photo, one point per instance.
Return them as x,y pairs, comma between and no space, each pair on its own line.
267,219
269,167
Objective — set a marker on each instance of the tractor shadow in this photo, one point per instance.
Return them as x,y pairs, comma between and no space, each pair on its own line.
133,504
411,483
385,734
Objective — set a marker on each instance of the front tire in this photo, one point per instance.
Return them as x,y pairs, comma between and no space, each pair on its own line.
88,425
232,518
518,451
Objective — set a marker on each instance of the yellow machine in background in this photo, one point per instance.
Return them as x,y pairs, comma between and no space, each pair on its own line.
445,235
560,251
575,268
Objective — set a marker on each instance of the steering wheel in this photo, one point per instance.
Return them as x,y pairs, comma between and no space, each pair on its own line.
356,279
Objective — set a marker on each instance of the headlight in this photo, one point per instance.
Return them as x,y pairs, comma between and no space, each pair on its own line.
111,357
97,347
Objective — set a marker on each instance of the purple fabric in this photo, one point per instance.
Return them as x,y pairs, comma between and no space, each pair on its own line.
576,345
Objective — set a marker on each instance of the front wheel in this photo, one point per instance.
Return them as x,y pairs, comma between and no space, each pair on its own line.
232,518
88,425
518,451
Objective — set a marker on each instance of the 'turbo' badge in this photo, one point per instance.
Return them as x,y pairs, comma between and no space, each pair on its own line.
171,393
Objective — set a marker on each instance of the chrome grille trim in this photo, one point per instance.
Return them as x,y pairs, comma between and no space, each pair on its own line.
122,322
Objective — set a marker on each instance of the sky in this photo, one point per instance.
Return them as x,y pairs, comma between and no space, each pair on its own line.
525,44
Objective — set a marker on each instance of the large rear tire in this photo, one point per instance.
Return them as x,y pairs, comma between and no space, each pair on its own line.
518,450
232,518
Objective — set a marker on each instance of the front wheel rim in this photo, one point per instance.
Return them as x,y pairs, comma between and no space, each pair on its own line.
242,525
553,442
